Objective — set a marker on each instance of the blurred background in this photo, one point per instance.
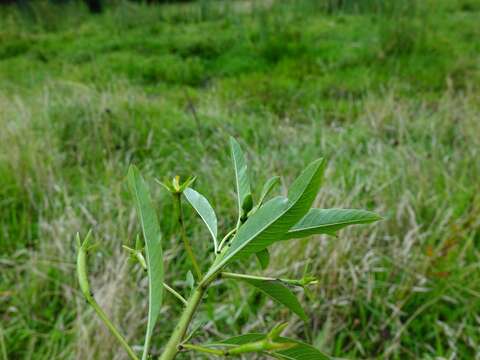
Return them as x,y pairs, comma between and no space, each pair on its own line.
388,91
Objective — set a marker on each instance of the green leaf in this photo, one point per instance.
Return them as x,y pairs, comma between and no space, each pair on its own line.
328,221
302,351
280,293
273,220
153,249
268,187
244,194
263,257
190,280
205,210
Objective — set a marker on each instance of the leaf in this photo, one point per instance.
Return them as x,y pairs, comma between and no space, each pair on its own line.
244,194
263,257
272,221
190,280
153,249
205,210
302,351
280,293
268,187
328,221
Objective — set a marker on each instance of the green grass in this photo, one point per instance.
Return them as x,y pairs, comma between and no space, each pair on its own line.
389,97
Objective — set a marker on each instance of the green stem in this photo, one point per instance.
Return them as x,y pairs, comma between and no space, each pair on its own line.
228,275
101,314
258,346
186,242
203,349
175,293
261,347
173,345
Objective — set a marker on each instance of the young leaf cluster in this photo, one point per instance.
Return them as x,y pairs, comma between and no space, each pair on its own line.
258,226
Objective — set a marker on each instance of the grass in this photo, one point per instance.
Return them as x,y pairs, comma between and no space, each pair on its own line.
390,98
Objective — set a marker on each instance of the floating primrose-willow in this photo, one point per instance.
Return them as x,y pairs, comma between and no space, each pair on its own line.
258,226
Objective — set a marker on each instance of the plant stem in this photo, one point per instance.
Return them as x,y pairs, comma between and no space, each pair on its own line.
261,347
173,345
229,275
186,242
203,349
175,293
101,314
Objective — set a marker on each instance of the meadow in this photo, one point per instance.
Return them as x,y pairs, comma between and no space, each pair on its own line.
388,92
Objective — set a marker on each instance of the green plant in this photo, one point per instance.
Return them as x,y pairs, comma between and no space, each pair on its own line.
257,227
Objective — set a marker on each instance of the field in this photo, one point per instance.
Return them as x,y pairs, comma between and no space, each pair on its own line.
387,91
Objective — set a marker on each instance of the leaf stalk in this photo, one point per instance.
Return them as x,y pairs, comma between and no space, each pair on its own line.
301,282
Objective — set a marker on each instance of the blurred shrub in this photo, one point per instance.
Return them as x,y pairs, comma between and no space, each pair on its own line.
391,7
399,37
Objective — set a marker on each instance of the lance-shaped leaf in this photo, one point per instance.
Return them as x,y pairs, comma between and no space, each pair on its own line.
278,292
301,351
328,221
153,249
242,182
205,210
263,257
272,221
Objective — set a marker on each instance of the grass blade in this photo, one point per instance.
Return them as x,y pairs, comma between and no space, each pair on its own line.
153,249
